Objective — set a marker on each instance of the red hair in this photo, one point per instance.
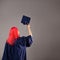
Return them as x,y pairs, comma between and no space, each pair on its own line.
13,35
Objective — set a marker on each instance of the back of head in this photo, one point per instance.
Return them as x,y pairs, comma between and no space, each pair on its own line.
13,34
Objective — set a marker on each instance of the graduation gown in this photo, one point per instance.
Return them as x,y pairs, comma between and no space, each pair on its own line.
18,50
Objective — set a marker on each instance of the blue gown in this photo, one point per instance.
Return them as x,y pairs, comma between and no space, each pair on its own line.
18,50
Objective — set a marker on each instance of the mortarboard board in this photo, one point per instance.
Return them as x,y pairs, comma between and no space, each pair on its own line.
25,20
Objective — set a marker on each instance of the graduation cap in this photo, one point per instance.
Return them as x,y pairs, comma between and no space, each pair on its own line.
25,20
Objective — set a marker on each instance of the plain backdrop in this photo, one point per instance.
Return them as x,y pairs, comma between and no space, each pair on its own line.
45,26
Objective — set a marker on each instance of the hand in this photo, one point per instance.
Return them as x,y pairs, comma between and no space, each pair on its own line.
28,25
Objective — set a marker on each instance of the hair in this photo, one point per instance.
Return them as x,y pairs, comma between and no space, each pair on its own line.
13,35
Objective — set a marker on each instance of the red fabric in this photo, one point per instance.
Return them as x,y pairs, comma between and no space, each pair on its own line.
13,35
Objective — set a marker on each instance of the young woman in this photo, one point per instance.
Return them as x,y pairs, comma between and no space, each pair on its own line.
15,47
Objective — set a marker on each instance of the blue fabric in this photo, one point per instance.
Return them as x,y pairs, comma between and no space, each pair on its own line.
25,20
18,50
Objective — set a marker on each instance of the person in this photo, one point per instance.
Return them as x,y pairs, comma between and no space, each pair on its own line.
15,47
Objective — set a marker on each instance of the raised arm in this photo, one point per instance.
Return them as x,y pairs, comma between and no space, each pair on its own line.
29,29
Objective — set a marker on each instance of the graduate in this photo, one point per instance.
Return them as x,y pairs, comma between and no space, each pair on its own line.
15,46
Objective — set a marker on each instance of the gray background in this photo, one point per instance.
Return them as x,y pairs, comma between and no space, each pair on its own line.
45,25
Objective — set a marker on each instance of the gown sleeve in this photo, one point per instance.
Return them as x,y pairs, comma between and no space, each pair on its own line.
28,41
24,41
